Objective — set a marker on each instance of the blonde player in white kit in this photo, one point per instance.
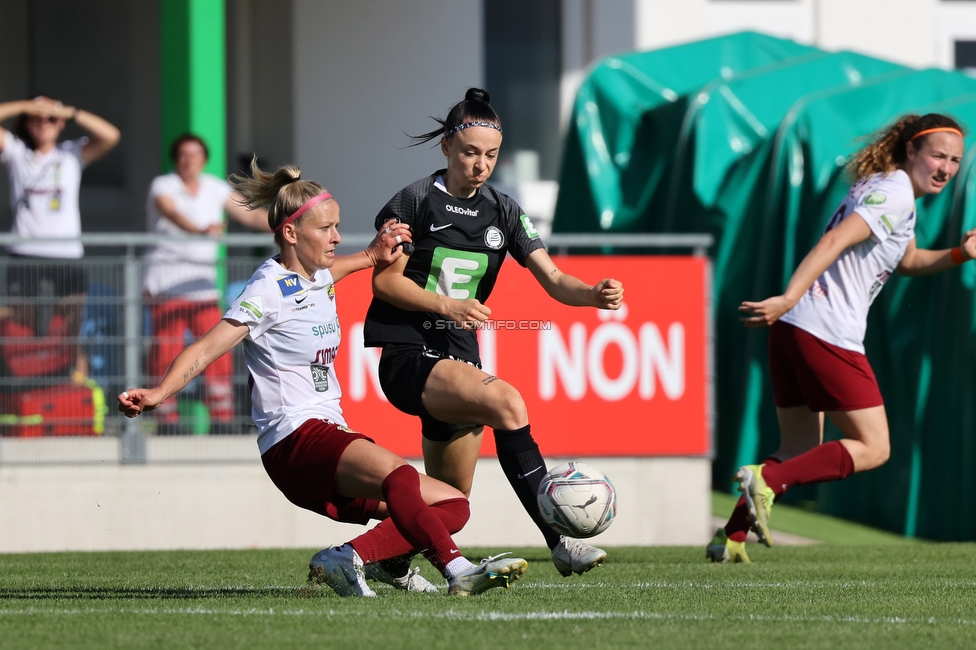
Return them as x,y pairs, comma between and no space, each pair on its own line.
286,320
816,351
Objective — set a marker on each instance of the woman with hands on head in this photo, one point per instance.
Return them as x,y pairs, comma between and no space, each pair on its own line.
428,306
286,320
45,174
45,183
816,351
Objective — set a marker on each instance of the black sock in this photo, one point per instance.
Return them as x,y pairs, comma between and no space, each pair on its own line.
524,468
398,566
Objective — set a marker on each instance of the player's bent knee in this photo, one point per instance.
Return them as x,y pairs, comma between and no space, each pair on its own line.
882,455
454,513
875,457
510,408
436,489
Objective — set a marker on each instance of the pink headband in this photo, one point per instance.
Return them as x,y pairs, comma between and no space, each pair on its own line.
308,205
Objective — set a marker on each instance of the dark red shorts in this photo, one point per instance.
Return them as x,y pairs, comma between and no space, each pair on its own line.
304,465
809,371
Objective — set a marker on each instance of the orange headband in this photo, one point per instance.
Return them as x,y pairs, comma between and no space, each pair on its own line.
939,129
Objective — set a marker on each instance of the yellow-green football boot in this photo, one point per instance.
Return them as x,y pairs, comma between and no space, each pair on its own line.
723,549
759,500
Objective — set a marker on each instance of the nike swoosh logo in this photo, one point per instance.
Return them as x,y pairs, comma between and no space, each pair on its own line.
434,228
521,476
298,302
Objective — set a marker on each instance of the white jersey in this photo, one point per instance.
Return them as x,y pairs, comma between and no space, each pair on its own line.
44,196
835,307
290,349
184,268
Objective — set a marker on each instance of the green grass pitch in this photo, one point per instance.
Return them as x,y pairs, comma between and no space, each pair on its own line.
874,591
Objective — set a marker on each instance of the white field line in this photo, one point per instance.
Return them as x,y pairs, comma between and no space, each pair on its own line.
569,583
454,615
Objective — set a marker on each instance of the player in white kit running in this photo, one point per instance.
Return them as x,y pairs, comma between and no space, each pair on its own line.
816,351
286,319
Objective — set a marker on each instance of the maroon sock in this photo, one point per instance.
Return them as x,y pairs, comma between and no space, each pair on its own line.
381,542
421,526
738,526
384,541
827,462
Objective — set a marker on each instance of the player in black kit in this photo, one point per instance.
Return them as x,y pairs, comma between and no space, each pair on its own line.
428,306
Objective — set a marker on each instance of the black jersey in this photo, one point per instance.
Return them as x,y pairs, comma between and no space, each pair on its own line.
459,247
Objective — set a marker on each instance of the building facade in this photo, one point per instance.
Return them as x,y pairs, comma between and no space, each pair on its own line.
336,85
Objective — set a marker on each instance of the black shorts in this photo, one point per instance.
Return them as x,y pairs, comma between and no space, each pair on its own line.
403,373
45,278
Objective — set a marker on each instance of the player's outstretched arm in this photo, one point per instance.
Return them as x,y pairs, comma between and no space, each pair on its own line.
850,231
921,261
221,338
385,249
569,290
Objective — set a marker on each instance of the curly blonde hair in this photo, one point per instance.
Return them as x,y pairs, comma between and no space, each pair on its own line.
283,191
889,148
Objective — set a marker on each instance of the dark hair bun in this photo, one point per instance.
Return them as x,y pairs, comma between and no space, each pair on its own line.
477,95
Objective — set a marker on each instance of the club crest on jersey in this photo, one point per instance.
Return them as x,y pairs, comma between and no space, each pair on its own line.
494,238
320,378
875,198
289,286
330,290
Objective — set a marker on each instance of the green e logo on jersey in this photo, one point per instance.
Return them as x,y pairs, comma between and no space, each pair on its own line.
528,227
456,274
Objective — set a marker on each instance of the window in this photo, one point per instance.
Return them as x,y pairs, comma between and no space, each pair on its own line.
965,57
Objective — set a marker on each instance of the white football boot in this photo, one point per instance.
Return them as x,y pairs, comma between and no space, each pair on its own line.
341,568
492,572
412,581
574,556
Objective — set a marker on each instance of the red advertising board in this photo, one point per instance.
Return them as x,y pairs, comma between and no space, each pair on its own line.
632,382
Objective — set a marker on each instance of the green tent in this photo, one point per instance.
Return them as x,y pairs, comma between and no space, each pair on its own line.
602,163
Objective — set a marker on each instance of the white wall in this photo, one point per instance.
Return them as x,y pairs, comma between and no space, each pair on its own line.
107,506
954,21
902,31
365,74
913,32
661,23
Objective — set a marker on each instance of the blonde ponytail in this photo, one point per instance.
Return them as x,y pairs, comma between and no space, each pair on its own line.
283,191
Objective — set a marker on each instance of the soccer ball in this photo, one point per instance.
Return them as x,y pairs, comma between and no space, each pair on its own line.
577,500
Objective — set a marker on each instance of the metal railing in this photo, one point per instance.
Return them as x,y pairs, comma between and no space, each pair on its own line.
115,336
